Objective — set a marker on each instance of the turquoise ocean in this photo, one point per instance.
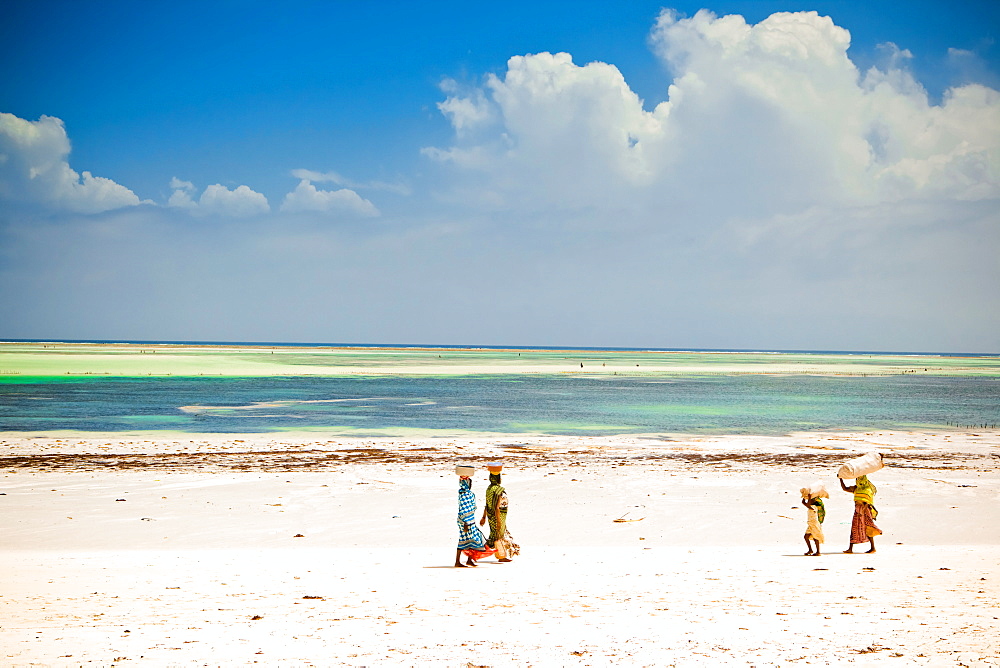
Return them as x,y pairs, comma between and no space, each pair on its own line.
538,403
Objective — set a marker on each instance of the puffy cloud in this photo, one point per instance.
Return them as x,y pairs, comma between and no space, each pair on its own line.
217,200
306,197
242,201
466,114
946,151
181,199
771,117
769,111
564,134
34,170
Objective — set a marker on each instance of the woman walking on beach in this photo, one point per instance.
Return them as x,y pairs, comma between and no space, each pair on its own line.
814,524
470,538
863,525
496,512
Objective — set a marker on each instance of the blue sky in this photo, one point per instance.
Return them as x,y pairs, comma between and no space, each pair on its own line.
377,172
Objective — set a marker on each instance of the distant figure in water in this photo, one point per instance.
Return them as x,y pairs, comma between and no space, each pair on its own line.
863,524
496,512
814,521
470,538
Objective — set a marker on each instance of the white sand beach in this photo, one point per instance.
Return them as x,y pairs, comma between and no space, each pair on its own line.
292,550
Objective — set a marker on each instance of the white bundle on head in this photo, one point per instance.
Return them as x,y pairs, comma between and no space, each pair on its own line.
816,490
859,466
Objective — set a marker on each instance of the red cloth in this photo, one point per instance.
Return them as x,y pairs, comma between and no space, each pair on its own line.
476,555
862,525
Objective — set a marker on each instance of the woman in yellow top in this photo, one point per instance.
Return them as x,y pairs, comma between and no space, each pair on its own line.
495,511
863,525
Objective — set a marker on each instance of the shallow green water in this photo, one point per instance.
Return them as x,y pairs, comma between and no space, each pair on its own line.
552,404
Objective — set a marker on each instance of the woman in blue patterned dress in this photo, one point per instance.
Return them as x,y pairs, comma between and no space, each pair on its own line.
470,538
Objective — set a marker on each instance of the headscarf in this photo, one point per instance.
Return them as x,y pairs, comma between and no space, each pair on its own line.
493,493
466,502
864,491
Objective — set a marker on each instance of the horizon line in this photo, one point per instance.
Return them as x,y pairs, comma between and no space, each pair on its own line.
446,346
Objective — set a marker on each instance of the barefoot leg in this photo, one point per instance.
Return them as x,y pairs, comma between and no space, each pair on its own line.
458,559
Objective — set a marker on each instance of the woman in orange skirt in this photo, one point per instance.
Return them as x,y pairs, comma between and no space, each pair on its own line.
863,527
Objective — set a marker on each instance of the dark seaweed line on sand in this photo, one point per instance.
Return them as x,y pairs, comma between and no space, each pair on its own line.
322,460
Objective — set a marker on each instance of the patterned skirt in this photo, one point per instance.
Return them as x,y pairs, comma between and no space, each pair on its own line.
470,538
471,542
863,525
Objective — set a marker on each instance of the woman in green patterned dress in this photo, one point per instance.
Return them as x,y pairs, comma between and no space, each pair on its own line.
495,511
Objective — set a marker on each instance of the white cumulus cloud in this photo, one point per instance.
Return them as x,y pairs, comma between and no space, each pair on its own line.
218,200
565,134
240,202
772,117
34,169
307,198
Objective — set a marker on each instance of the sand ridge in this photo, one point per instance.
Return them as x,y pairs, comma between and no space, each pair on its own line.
191,360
